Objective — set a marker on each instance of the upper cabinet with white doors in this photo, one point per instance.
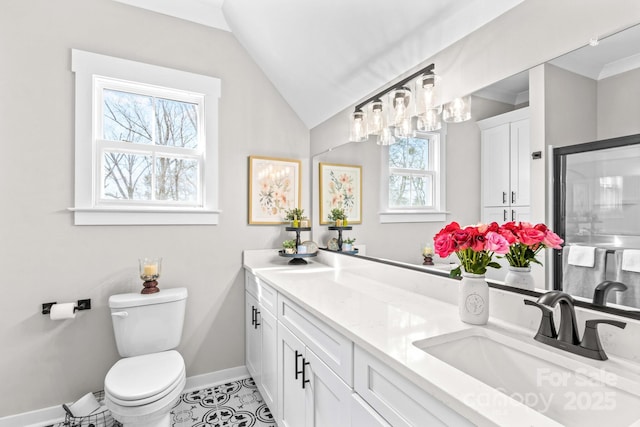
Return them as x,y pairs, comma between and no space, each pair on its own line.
506,167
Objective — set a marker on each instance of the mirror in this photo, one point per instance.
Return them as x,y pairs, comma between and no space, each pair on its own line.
571,85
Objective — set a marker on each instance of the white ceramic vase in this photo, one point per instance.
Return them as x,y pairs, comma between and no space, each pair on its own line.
473,299
519,277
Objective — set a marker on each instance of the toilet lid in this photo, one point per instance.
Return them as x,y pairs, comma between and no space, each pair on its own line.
147,377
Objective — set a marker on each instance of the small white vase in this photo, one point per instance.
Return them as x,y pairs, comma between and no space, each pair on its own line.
473,299
520,277
347,247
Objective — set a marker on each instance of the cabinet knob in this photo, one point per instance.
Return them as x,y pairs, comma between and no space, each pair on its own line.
504,214
504,197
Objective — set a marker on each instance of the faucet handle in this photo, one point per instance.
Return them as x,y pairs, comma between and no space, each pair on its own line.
591,339
547,327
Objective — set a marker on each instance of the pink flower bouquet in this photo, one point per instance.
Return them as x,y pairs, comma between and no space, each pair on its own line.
474,246
526,240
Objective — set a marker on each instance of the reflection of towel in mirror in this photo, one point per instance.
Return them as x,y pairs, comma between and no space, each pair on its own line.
631,260
581,281
582,256
630,297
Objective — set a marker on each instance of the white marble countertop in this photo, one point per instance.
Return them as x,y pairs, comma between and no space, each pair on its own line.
386,320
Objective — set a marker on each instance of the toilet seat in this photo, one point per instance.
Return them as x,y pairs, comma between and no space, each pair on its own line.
140,380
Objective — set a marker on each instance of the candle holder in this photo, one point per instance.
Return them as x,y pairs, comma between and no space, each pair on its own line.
149,272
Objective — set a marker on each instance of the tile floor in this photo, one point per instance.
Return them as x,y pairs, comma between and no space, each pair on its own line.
233,404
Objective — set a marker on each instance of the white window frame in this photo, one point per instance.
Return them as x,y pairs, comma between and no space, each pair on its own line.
91,71
438,212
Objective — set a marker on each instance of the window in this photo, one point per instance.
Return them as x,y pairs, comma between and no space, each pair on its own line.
146,143
413,180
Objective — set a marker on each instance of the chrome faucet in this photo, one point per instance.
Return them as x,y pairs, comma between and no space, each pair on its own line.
567,337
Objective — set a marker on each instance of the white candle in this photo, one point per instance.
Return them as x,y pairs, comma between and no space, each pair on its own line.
150,270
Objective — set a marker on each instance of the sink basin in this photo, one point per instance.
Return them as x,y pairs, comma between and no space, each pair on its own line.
563,389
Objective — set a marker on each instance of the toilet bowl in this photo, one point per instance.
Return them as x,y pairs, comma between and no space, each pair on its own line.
142,387
141,390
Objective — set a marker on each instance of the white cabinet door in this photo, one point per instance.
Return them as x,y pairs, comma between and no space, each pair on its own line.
520,176
253,345
327,396
495,166
291,395
497,214
521,213
269,375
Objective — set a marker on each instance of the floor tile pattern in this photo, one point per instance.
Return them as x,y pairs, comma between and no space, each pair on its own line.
232,404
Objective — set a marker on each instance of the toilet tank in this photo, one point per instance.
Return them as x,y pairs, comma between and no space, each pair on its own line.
145,324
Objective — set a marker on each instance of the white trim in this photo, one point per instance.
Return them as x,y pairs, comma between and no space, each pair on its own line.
509,116
55,414
100,216
389,217
86,66
211,379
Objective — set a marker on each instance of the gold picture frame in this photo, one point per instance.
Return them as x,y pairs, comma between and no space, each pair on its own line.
274,187
340,187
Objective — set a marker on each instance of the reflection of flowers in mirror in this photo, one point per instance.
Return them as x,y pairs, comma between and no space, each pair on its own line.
341,191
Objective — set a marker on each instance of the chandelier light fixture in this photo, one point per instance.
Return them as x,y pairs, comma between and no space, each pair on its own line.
398,112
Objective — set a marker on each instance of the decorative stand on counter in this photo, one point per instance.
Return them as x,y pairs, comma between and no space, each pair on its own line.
297,259
340,229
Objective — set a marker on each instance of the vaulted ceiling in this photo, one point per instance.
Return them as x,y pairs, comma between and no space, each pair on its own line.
325,55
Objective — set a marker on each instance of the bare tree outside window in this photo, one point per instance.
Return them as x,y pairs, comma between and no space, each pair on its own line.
138,172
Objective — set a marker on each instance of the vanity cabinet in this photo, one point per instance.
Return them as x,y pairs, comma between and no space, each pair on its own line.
400,402
311,375
310,393
261,331
506,167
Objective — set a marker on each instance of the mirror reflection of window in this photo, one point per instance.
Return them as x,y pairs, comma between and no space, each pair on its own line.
412,173
611,193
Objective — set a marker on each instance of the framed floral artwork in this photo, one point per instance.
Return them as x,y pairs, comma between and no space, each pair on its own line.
274,188
340,187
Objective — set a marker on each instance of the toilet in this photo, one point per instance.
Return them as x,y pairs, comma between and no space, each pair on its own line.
142,387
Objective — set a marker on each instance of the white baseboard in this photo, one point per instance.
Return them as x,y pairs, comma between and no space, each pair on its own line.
55,414
198,382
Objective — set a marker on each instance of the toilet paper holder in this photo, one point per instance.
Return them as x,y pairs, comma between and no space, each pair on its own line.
83,304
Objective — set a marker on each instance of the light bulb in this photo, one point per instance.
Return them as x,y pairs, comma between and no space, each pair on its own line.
358,128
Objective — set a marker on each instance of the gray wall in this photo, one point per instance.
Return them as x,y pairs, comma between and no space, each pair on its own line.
619,105
43,257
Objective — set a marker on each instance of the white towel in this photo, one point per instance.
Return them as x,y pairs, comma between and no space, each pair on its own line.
582,281
631,260
582,256
630,297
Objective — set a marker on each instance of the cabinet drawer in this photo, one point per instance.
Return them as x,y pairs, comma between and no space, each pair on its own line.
363,415
265,294
398,400
331,347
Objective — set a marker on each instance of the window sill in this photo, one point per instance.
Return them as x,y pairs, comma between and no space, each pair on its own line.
138,216
389,217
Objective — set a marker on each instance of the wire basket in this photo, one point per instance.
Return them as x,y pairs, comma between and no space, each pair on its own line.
102,418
